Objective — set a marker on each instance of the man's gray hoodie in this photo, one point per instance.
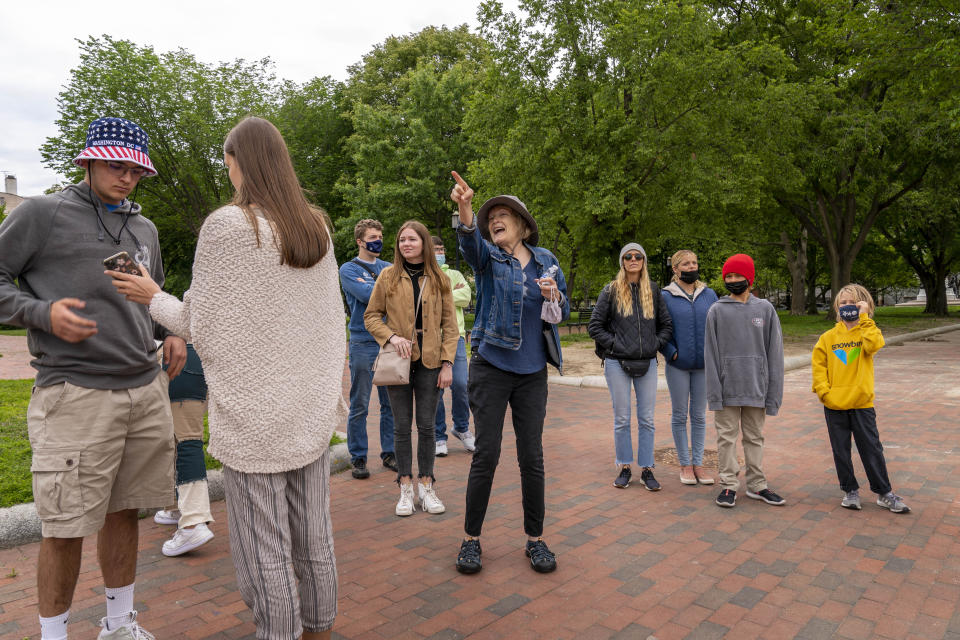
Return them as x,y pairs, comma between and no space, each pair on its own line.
53,247
743,355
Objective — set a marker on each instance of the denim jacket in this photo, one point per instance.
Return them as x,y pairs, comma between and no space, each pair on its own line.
499,279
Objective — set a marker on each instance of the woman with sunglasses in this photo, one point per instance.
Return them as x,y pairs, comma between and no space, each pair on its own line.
630,323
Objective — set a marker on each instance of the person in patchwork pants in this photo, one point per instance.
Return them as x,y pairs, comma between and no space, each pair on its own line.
188,404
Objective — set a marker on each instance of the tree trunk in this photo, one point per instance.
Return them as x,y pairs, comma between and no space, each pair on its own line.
812,284
841,264
572,276
935,284
797,264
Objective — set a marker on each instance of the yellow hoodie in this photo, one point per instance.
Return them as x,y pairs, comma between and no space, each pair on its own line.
843,365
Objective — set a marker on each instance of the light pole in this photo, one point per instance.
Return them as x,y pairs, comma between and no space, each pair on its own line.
455,222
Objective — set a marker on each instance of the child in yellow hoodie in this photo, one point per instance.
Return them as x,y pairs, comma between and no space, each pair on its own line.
843,380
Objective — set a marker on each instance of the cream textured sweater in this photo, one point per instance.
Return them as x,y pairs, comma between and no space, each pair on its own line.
272,341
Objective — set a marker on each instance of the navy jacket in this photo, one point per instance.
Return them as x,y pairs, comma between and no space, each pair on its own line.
689,320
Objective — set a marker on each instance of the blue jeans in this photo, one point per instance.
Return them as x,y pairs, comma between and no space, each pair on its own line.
645,388
362,355
458,391
688,388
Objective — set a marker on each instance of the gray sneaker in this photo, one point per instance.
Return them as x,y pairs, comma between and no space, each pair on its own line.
130,631
851,500
893,502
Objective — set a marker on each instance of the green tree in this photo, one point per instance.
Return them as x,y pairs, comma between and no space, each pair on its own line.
618,121
924,229
406,110
870,122
186,107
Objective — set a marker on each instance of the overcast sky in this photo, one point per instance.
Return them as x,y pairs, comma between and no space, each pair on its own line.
304,39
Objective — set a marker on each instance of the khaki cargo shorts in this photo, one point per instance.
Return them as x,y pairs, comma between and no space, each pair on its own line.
98,451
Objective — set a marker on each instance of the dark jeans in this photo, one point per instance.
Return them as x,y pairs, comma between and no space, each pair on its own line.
862,423
423,387
491,389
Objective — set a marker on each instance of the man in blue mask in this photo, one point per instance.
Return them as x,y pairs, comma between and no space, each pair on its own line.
357,278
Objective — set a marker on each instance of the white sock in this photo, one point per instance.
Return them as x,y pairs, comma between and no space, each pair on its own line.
119,605
54,628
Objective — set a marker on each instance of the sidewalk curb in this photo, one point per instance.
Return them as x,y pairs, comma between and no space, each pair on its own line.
19,524
789,363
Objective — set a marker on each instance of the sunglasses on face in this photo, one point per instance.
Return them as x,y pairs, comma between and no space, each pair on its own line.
633,256
119,169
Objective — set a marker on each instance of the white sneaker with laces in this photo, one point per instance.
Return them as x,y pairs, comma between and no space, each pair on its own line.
405,506
185,540
467,438
129,631
441,450
167,517
429,501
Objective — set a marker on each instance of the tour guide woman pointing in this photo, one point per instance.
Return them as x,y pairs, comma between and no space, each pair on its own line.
512,346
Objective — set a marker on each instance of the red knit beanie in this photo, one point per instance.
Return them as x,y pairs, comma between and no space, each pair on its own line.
739,263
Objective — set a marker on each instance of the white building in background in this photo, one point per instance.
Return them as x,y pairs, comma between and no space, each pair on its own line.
9,197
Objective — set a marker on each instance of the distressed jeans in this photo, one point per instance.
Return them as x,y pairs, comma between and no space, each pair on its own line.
622,387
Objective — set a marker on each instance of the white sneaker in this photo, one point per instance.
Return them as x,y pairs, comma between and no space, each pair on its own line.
185,540
429,501
441,448
469,442
405,506
129,631
167,517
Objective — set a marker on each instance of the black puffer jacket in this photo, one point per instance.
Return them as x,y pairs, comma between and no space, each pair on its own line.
630,337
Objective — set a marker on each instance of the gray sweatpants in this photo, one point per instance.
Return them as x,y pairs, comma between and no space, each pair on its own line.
280,532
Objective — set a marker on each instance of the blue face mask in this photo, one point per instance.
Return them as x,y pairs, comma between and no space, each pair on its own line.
441,259
849,312
375,247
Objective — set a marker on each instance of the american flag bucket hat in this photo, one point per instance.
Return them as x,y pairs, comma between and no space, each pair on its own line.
119,140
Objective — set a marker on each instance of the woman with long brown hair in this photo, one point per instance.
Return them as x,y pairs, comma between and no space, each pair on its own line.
630,323
264,313
411,307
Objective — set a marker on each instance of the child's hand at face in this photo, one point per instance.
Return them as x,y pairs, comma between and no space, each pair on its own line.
864,307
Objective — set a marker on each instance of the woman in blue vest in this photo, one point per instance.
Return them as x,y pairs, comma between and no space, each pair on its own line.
688,300
512,345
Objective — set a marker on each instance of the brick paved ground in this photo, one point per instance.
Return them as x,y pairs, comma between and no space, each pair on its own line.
631,563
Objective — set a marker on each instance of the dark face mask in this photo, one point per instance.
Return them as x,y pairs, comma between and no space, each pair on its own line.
736,288
849,312
375,247
690,276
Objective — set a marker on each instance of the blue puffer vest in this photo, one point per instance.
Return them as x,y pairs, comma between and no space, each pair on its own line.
689,320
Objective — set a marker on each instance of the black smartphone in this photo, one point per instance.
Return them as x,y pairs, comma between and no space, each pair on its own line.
123,263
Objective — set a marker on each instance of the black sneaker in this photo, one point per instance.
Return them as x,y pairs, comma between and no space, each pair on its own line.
360,470
727,498
649,482
623,480
767,496
541,559
390,462
468,560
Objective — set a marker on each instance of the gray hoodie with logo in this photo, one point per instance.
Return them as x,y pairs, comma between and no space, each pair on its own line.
743,355
53,247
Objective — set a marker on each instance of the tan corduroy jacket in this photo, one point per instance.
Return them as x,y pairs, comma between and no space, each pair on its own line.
440,332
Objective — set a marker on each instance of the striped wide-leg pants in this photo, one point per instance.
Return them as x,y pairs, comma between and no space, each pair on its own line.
280,532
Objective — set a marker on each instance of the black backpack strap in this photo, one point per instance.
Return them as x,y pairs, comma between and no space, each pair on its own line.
366,268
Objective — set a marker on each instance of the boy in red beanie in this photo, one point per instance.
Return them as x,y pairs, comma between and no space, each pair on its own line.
743,366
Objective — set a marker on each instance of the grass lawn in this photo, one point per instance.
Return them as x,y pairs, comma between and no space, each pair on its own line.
13,332
15,486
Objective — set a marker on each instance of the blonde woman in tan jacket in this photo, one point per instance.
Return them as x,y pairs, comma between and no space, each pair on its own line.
411,306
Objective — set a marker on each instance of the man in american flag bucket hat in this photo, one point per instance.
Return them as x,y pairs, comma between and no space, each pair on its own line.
99,420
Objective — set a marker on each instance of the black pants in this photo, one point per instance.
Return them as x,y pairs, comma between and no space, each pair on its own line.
862,423
423,387
490,390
